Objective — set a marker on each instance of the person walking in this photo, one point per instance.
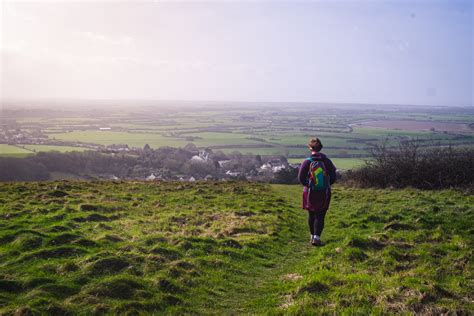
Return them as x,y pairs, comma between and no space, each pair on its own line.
317,173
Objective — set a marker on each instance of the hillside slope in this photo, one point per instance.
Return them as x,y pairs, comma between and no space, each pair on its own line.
109,247
398,251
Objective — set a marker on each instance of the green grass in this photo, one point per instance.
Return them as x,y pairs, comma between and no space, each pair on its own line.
256,151
368,131
45,148
303,140
389,251
340,163
81,247
131,139
219,139
231,248
225,130
18,155
155,140
20,151
13,151
347,163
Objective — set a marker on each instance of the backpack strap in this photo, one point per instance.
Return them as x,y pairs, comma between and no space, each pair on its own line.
310,159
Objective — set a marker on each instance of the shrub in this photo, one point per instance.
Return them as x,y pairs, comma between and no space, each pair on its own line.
411,165
286,176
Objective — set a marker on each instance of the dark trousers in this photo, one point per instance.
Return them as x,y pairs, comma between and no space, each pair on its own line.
316,222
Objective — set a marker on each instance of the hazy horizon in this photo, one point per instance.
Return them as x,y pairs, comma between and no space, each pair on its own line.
65,101
352,52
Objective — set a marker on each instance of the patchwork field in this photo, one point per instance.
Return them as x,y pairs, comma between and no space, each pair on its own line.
201,248
340,163
110,138
27,150
418,126
347,131
46,148
13,151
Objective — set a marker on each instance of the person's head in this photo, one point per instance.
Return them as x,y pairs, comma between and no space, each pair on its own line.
315,144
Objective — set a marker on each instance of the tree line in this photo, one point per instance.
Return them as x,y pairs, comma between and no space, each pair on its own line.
166,162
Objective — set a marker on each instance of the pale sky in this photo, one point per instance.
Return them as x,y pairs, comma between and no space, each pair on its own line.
403,52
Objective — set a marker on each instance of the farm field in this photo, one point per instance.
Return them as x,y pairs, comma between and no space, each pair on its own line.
347,131
144,247
13,151
340,163
417,126
46,148
269,151
110,138
27,150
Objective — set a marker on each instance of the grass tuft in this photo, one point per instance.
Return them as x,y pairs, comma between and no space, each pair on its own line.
241,248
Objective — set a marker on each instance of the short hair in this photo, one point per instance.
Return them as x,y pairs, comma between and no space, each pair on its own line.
315,144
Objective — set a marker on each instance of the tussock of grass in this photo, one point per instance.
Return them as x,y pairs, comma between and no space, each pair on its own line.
407,251
134,247
102,247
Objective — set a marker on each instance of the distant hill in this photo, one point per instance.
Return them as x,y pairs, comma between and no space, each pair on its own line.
230,247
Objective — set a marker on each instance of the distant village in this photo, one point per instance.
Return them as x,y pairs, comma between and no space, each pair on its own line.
182,164
230,169
218,165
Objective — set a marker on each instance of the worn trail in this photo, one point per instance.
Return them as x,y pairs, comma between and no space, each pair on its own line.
262,291
386,251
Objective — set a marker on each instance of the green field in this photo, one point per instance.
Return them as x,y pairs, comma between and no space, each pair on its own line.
45,148
347,163
303,140
13,151
221,139
255,151
110,138
231,248
27,150
340,163
255,129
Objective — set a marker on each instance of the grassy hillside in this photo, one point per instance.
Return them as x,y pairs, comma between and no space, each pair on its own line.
126,247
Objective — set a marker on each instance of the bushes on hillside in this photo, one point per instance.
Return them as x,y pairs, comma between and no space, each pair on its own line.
411,165
165,162
14,169
286,176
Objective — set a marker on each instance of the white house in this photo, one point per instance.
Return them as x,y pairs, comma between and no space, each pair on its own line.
232,174
222,163
203,156
273,165
151,177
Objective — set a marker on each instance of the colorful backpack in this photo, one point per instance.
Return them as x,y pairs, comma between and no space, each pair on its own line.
318,177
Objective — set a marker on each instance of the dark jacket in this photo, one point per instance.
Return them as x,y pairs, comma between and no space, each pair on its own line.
316,201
